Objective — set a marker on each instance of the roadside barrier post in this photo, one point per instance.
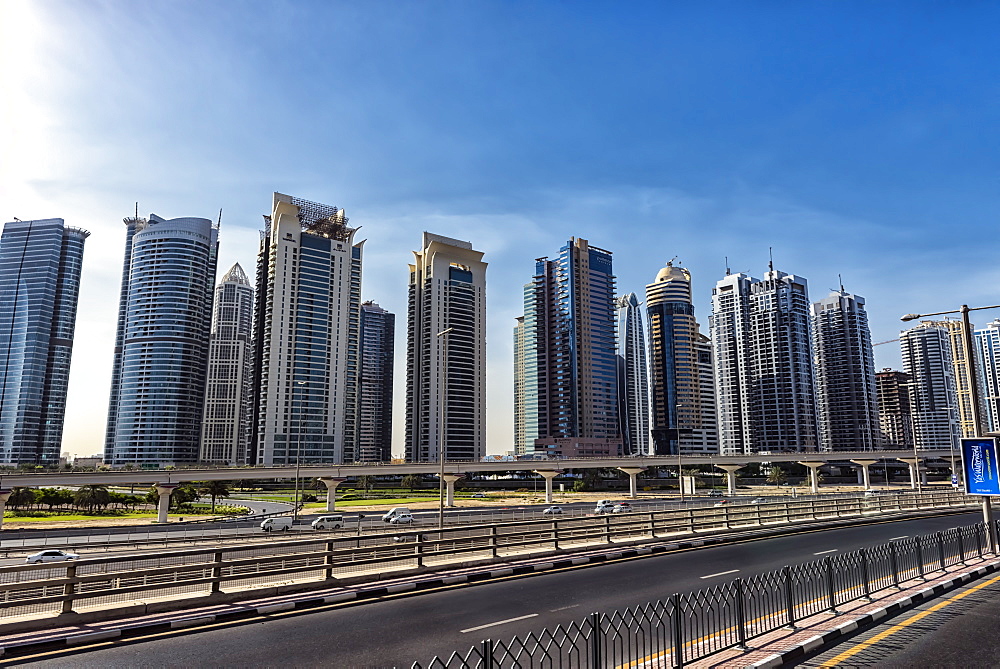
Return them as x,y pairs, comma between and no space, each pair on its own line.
329,560
830,593
487,654
677,621
786,577
70,589
864,574
894,564
940,542
741,616
920,556
595,641
217,571
494,540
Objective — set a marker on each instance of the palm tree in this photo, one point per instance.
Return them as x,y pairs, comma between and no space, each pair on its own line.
215,490
91,496
776,476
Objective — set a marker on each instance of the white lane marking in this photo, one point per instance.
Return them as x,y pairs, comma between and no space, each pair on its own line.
499,622
832,550
721,573
905,536
563,608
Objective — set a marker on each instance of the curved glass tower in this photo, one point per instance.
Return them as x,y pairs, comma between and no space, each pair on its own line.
40,264
167,307
633,378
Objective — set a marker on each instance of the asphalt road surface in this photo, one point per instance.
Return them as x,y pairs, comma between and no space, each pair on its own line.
396,631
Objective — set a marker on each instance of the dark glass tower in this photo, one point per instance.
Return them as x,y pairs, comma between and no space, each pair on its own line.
40,263
164,322
378,328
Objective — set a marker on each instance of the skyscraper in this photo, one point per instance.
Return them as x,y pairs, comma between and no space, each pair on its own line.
960,370
700,425
378,329
525,390
987,344
845,374
633,378
446,351
225,435
165,317
894,415
569,333
927,359
40,264
307,335
675,392
764,373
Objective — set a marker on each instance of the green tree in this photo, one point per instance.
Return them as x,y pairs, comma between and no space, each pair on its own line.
776,476
52,497
21,497
92,497
365,483
412,481
183,495
215,490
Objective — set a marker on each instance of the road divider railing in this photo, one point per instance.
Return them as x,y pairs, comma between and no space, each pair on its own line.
691,626
105,583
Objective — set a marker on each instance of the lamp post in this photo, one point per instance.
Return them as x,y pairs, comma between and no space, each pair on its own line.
442,400
970,368
297,390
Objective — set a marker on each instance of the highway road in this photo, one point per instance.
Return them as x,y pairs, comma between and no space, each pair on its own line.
396,631
958,629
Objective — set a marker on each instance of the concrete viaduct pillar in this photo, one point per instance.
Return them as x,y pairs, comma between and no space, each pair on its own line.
331,490
632,473
863,472
449,482
914,465
165,490
4,496
730,477
548,475
813,474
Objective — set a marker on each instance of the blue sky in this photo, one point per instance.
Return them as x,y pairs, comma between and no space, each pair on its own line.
854,138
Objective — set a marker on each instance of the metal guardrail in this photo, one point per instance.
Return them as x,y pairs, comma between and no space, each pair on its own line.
691,626
38,590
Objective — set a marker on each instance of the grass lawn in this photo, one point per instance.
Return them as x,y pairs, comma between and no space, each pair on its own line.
56,517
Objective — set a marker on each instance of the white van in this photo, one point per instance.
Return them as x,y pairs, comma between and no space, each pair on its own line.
328,523
393,512
281,523
604,506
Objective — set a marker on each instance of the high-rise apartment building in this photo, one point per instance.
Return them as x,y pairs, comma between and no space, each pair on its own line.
987,345
225,435
927,359
845,374
963,385
894,415
40,263
699,429
763,362
378,331
569,338
525,390
446,352
165,317
683,414
633,378
307,333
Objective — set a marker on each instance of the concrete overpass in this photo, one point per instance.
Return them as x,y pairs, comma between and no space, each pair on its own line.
168,479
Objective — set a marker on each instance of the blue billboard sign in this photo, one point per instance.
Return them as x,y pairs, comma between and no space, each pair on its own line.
981,467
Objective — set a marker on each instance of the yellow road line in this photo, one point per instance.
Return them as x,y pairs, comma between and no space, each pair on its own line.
863,645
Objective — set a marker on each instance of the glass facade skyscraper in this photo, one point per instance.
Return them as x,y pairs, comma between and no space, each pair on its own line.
307,335
987,344
164,319
633,378
40,264
378,331
927,359
845,374
225,435
570,346
446,352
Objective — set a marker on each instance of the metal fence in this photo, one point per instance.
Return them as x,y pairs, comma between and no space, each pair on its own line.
690,626
38,590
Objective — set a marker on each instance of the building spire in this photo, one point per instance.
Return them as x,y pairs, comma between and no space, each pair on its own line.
770,263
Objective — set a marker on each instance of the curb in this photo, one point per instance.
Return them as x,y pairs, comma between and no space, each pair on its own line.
809,645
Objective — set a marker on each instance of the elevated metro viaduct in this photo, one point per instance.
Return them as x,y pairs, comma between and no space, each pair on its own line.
166,480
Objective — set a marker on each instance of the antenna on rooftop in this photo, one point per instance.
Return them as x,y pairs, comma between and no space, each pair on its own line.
840,280
770,253
728,271
219,224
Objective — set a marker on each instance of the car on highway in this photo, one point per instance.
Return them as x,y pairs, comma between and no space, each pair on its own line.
402,519
328,523
479,495
715,493
721,502
622,507
604,506
51,555
393,512
759,500
281,523
552,511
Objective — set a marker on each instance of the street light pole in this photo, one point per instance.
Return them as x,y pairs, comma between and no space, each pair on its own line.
442,400
297,390
977,427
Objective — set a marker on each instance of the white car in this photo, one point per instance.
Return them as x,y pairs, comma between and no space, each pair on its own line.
328,523
624,507
51,556
401,519
552,511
